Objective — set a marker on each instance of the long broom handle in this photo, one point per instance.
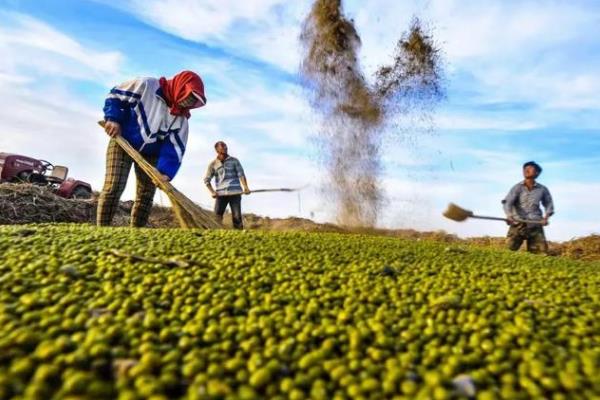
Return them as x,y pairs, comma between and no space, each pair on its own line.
526,221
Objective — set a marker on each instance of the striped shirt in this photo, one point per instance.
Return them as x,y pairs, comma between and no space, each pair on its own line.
227,175
523,203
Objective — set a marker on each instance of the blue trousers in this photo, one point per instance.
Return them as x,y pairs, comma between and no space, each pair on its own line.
235,204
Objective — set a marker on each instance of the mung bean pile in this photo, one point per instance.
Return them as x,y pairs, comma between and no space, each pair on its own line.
104,313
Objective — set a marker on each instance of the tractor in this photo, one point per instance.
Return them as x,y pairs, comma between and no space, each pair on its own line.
15,168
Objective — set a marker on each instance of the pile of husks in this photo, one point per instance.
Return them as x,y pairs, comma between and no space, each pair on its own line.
22,203
165,314
31,204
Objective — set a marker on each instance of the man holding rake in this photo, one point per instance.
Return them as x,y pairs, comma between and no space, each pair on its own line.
230,184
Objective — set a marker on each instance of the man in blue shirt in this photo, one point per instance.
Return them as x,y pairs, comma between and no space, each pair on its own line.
523,203
230,182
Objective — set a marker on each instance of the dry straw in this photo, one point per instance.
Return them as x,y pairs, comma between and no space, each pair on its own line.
189,214
22,203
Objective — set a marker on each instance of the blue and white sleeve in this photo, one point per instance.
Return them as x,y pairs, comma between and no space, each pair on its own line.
122,97
172,150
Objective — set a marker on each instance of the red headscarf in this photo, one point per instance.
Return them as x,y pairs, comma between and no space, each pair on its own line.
179,88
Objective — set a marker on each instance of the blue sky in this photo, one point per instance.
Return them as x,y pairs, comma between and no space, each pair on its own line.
523,84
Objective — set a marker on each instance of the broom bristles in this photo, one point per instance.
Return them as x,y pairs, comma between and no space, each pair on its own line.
457,213
188,214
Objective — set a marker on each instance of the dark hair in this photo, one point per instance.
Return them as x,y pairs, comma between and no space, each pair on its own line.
534,165
220,143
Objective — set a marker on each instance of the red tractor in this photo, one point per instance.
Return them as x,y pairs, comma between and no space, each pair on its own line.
15,168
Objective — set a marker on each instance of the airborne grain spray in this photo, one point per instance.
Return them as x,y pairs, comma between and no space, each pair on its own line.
354,112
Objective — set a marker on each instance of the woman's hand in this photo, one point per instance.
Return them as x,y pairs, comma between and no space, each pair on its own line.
165,178
113,129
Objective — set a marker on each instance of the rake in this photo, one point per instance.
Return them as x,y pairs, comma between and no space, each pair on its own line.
188,214
274,190
269,191
460,214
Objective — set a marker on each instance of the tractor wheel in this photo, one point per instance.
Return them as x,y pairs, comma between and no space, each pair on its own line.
22,177
81,192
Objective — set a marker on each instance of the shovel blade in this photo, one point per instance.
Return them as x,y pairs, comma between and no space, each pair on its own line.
457,213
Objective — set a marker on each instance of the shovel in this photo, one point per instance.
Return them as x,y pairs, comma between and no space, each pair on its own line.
459,214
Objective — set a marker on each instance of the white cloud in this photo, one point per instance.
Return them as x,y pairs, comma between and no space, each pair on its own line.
13,78
515,51
44,129
40,116
263,29
474,31
199,20
502,29
512,49
250,103
468,121
28,44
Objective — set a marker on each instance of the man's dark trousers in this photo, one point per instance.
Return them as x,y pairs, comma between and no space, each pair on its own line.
235,204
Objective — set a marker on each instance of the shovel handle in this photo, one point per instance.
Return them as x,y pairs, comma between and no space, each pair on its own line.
525,221
489,218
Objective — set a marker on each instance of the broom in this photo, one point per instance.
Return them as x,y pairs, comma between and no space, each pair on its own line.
459,214
188,214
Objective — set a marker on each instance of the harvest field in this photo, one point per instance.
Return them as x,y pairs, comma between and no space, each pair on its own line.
106,313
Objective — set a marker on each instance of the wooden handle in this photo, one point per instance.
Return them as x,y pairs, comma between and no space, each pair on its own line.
488,218
263,191
525,221
274,190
